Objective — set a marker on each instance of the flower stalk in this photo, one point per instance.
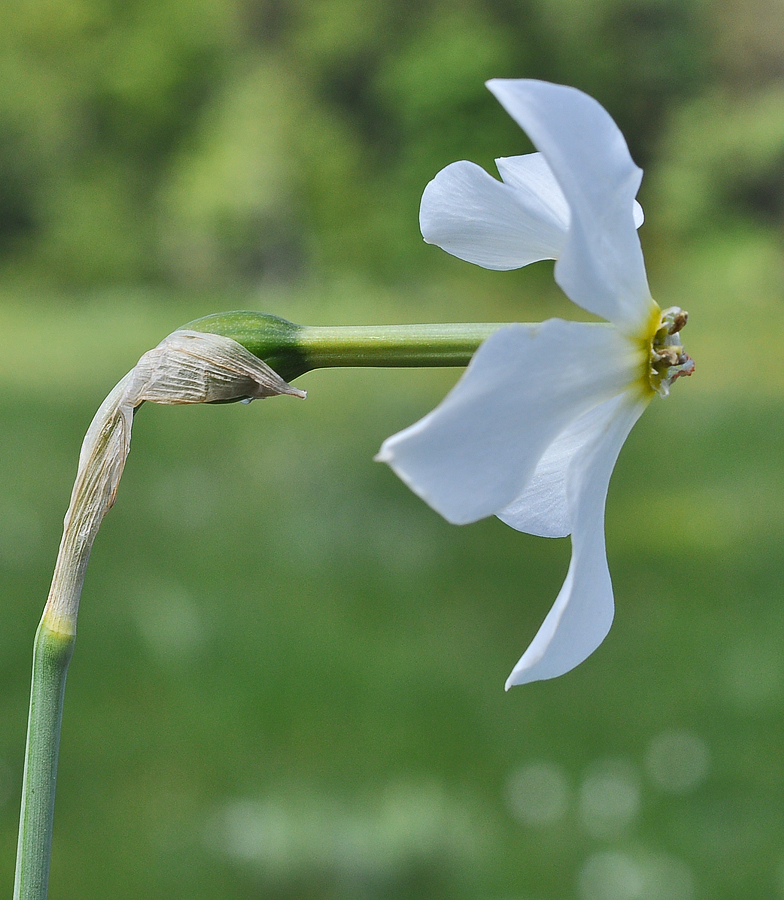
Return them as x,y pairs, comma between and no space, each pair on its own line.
187,367
51,655
291,350
219,359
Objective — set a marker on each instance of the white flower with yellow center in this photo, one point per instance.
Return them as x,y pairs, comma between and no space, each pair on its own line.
532,430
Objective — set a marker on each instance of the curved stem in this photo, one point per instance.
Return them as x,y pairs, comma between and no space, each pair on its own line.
185,368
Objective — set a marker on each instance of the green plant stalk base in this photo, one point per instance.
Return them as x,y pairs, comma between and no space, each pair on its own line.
51,654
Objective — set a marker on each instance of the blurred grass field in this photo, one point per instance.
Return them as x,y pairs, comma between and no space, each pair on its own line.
288,680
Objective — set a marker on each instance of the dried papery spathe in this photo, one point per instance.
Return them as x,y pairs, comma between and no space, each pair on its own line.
186,367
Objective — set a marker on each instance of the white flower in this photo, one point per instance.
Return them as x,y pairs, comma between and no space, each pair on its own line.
532,430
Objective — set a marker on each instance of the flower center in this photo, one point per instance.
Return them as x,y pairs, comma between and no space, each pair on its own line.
668,360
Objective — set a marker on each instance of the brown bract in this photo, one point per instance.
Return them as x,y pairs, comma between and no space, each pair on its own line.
186,367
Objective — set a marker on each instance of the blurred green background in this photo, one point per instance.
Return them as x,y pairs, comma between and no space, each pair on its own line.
288,682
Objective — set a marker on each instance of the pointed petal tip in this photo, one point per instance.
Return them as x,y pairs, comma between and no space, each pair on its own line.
493,84
519,676
386,452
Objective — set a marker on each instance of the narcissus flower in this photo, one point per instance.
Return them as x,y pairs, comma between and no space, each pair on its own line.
532,430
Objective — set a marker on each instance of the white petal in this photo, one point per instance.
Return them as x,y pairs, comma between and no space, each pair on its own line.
582,614
534,180
479,219
473,454
601,266
542,508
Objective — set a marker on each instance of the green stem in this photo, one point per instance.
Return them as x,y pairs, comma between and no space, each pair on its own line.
393,345
291,350
51,655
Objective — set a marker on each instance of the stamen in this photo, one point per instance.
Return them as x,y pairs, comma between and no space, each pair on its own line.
668,360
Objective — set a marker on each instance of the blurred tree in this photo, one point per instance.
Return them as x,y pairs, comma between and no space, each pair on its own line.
218,142
722,150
